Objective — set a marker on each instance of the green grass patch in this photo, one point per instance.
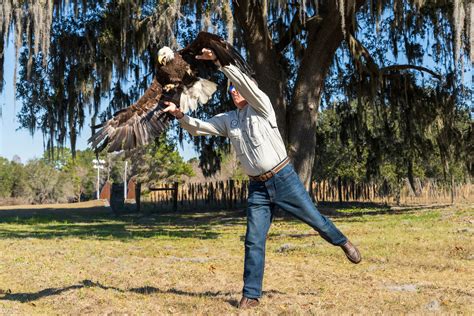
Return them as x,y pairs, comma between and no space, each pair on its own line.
76,261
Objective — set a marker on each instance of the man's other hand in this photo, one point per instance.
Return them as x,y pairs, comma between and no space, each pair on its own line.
208,54
173,110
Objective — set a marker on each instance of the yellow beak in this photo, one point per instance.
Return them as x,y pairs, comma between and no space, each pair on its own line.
160,59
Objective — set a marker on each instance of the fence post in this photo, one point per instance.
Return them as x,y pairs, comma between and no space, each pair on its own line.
231,197
453,189
339,188
138,194
175,197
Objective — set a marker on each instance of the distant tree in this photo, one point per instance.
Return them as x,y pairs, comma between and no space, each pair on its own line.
16,159
159,161
81,174
370,142
42,180
19,188
335,159
6,178
45,184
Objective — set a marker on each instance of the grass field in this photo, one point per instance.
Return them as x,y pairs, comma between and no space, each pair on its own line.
84,260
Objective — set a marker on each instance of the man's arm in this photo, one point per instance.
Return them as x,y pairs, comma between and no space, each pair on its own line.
214,126
244,85
249,90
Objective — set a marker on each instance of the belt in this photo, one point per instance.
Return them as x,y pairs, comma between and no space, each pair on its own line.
269,174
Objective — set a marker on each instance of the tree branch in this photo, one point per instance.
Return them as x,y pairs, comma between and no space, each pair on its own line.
314,21
358,50
404,67
296,26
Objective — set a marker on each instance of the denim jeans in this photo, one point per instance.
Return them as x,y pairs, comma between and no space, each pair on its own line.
286,191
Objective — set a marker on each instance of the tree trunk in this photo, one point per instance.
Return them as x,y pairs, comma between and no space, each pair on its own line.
324,39
297,123
263,56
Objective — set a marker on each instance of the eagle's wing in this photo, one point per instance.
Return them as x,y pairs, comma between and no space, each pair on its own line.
225,53
133,126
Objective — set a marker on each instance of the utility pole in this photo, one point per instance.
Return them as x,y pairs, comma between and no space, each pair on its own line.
98,164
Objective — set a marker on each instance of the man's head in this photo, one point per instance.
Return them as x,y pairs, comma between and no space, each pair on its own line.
238,99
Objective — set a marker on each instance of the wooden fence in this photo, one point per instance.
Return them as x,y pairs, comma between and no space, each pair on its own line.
232,194
228,194
429,192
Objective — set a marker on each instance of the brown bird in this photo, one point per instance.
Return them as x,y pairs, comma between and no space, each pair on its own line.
144,120
178,79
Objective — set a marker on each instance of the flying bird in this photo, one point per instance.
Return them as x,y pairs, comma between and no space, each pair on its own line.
179,78
176,81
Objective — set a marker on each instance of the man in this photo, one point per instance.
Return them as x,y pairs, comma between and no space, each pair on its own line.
253,132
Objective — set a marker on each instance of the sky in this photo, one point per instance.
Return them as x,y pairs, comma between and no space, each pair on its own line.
14,141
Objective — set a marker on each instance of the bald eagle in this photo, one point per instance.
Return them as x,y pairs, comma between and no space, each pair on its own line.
136,125
178,80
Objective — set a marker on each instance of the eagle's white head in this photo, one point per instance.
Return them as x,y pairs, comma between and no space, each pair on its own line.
165,55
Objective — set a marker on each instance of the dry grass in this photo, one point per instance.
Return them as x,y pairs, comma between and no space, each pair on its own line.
87,261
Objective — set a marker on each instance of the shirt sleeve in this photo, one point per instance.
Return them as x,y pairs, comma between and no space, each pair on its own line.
214,126
256,98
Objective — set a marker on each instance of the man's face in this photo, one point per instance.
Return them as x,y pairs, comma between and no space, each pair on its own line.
239,101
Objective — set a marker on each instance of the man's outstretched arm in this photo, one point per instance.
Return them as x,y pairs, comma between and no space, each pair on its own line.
214,126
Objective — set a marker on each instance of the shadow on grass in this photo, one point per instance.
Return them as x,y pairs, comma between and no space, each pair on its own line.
145,290
359,209
101,223
359,212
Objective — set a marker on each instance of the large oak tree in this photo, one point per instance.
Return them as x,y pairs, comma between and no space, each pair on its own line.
304,54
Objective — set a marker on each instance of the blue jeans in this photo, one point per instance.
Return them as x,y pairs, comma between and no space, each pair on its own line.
286,191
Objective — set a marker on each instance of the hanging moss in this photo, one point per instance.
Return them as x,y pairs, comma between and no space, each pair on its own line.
459,16
342,11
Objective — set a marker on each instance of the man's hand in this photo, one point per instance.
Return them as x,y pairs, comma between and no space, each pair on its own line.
208,54
173,110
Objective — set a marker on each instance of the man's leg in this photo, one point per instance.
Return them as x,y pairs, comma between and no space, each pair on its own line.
292,197
259,217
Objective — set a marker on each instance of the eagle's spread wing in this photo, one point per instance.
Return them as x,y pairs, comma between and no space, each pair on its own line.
133,126
225,52
144,120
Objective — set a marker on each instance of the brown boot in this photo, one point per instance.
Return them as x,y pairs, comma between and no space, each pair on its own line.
352,253
246,302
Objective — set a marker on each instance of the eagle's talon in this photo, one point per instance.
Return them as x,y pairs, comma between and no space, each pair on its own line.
169,87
